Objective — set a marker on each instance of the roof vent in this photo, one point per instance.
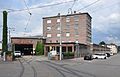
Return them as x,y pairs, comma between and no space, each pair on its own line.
74,12
58,14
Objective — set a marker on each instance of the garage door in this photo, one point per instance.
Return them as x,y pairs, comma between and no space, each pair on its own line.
26,49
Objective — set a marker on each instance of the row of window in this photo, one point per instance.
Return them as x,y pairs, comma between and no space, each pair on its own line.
67,27
58,35
76,18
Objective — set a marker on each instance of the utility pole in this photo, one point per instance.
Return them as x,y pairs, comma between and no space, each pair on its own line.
4,36
60,38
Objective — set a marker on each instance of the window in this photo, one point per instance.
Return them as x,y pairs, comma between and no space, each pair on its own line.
76,26
58,20
67,26
48,21
48,35
58,35
58,28
67,34
48,28
67,19
76,18
76,32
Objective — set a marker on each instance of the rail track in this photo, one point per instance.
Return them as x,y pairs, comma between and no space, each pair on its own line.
22,61
62,70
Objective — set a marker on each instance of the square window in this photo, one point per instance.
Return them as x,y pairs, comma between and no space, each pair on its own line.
58,20
76,32
67,34
58,35
67,19
67,26
48,35
48,28
76,26
48,21
58,28
76,18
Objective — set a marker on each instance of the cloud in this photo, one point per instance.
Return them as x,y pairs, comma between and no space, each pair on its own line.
105,16
113,39
114,18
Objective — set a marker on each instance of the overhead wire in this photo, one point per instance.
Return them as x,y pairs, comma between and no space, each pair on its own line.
25,29
27,7
88,5
37,7
107,7
70,9
29,19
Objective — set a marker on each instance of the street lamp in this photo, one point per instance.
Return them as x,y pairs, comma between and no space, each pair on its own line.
60,38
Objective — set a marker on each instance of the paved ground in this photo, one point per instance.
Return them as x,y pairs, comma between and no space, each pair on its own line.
36,66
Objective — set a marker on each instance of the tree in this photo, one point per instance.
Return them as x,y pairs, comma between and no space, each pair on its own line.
102,43
39,48
4,40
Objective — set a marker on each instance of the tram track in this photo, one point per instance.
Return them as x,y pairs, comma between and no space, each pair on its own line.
64,70
23,67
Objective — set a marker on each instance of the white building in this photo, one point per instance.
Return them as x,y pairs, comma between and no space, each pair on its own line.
113,48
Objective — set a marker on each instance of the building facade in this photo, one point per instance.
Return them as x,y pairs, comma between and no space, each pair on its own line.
113,48
26,45
95,48
71,28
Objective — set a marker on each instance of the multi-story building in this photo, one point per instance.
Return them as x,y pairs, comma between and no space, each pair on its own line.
113,48
95,48
71,28
74,27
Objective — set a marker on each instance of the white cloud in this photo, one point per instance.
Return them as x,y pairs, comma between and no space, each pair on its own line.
114,18
113,39
106,22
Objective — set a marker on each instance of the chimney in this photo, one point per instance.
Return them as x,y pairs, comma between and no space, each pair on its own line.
58,14
74,12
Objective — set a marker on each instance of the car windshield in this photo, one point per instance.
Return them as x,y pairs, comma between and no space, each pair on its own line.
17,51
100,54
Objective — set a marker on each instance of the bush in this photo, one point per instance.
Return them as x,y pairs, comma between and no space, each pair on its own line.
39,49
68,55
9,56
9,53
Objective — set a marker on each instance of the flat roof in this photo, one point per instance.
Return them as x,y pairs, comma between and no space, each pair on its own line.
67,43
67,15
27,37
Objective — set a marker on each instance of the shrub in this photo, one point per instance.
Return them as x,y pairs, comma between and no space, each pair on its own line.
68,55
9,53
39,49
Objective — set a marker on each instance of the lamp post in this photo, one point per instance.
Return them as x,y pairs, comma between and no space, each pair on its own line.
60,38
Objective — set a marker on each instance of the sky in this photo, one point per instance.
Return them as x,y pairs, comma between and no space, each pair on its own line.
105,16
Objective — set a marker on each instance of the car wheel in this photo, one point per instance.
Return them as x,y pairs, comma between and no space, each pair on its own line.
96,58
104,57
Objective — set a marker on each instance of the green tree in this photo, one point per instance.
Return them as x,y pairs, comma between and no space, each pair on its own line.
102,43
4,40
39,48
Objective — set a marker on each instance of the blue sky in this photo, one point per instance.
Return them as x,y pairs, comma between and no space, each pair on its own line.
105,17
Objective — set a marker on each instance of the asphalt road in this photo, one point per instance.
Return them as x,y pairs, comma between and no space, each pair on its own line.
41,67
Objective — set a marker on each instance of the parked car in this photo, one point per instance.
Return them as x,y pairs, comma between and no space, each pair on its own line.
100,56
88,57
17,53
108,54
